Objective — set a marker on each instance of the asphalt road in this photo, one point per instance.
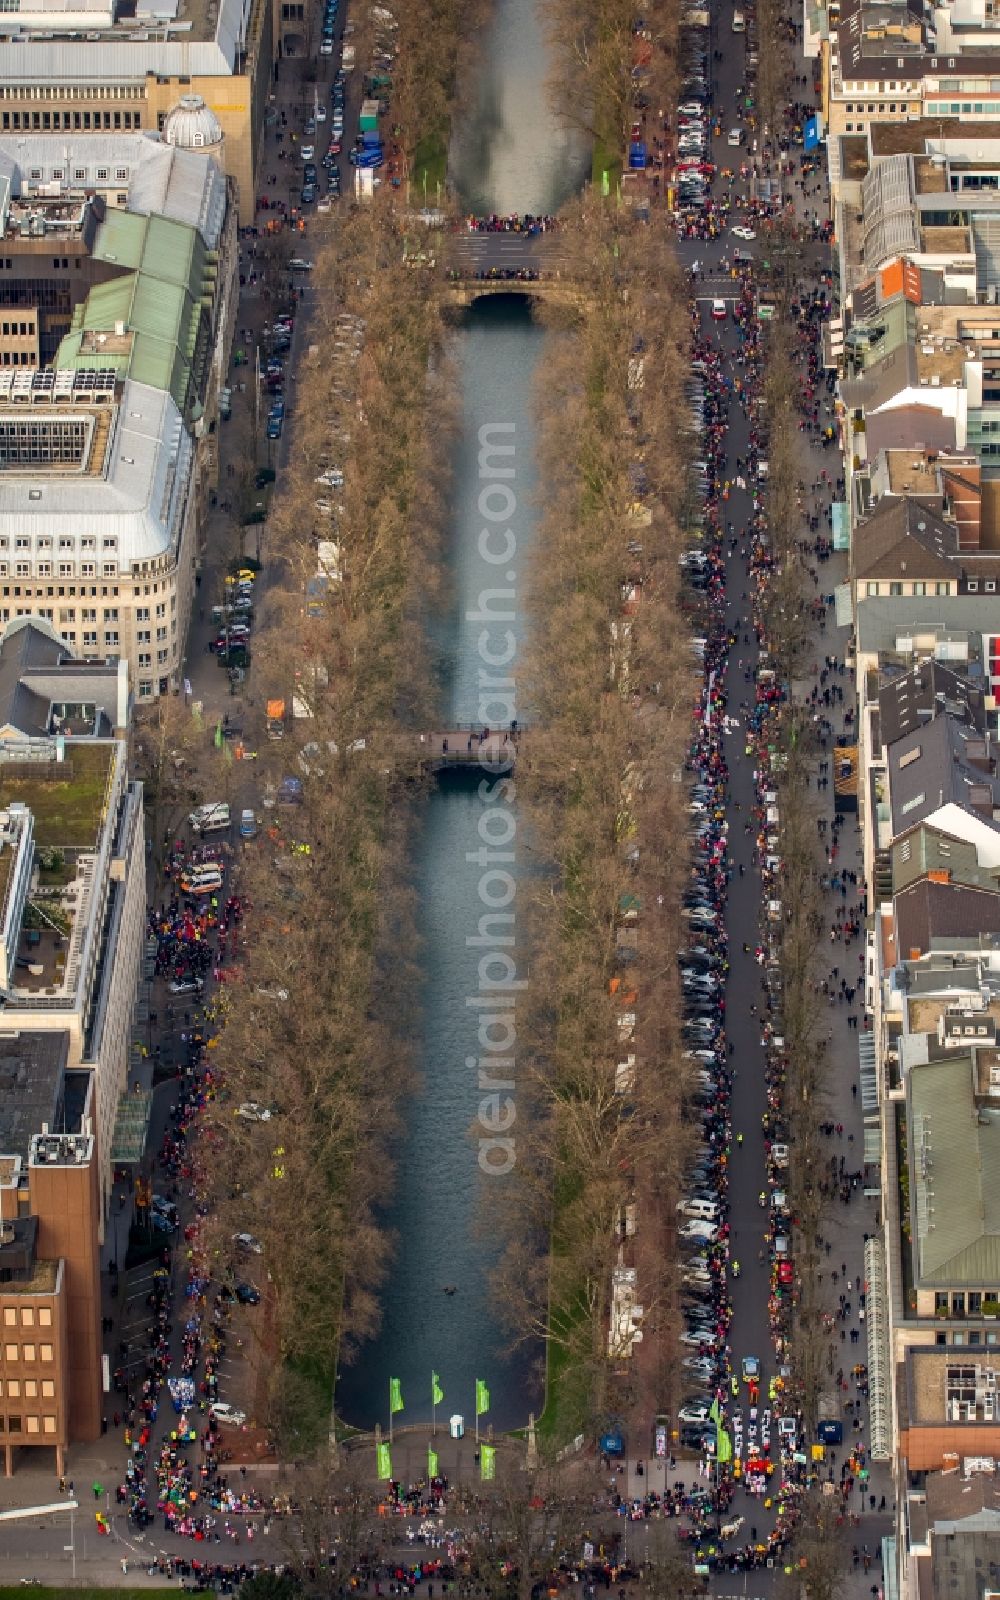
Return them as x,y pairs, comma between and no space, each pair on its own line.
481,252
747,1170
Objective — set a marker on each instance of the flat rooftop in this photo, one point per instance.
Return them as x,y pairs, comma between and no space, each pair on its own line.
910,473
940,358
902,138
66,798
32,1067
43,1280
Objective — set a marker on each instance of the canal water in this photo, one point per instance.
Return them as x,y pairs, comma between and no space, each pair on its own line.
459,1149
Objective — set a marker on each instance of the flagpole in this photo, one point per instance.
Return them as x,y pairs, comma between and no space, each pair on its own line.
434,1426
390,1411
475,1407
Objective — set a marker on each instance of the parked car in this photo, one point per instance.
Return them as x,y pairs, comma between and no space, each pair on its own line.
229,1416
252,1111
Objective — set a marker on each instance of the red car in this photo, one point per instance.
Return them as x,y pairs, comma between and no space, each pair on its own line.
785,1272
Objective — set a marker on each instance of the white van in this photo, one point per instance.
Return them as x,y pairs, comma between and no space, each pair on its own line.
699,1210
210,818
739,22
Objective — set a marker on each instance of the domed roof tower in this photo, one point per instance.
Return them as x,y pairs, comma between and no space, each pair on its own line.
191,125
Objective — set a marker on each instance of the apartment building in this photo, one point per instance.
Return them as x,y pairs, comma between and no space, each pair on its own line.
99,66
124,251
72,865
890,61
50,1306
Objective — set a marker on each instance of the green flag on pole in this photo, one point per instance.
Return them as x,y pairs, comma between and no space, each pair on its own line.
432,1462
437,1393
395,1396
482,1397
488,1461
384,1460
218,736
723,1447
605,183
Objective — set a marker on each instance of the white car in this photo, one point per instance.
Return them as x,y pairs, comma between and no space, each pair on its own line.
308,152
253,1112
743,232
247,1242
694,1413
229,1416
703,1232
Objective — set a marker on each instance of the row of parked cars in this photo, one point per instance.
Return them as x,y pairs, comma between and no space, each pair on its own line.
694,168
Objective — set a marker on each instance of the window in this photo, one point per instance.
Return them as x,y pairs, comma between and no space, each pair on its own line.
895,589
65,569
111,613
13,1424
872,590
109,569
973,586
145,659
48,1424
958,1304
109,544
102,174
48,1389
919,588
145,689
940,588
90,641
9,1317
29,1352
33,1426
88,614
975,1302
143,636
10,1352
14,1389
28,1317
45,1317
911,805
142,614
161,657
46,1352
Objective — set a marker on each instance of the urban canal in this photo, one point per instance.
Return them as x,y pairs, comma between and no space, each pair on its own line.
510,156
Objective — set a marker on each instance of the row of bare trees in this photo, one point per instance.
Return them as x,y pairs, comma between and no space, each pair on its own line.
612,683
310,1037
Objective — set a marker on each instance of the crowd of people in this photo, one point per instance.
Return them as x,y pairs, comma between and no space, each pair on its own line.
754,1444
